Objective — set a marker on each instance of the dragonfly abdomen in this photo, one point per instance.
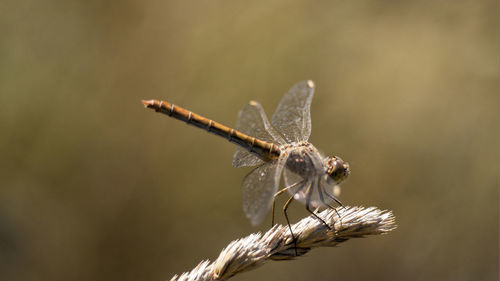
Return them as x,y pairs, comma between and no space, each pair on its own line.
265,150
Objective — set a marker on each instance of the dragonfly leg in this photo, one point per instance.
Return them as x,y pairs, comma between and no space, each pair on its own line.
328,205
308,208
334,199
285,207
274,203
278,194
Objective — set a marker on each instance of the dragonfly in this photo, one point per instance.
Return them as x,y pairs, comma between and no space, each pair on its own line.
277,149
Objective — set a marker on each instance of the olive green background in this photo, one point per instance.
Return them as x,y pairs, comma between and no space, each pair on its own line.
95,187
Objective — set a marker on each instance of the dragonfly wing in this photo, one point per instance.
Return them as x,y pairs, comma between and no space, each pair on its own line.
253,121
330,188
322,193
259,188
297,184
293,115
243,157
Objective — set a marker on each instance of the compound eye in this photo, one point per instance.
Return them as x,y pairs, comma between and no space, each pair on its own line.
338,170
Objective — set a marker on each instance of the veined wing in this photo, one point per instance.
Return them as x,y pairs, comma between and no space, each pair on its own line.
259,187
323,193
293,115
253,121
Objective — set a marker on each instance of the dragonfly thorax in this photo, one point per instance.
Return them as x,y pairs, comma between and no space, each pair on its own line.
337,169
304,159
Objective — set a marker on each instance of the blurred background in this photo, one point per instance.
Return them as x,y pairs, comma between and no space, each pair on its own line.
95,187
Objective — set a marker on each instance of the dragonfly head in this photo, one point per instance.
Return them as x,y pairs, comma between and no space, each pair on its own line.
337,169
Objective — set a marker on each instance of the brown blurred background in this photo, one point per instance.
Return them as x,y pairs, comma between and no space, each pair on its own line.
95,187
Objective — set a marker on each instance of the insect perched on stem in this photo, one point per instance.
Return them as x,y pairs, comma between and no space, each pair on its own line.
277,148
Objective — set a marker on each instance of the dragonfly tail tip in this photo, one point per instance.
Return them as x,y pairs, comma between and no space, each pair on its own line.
148,103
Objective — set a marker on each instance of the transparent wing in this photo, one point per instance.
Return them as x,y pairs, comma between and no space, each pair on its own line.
293,115
322,192
243,157
291,179
253,121
259,187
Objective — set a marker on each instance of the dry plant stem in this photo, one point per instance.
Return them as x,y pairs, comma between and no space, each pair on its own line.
277,243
